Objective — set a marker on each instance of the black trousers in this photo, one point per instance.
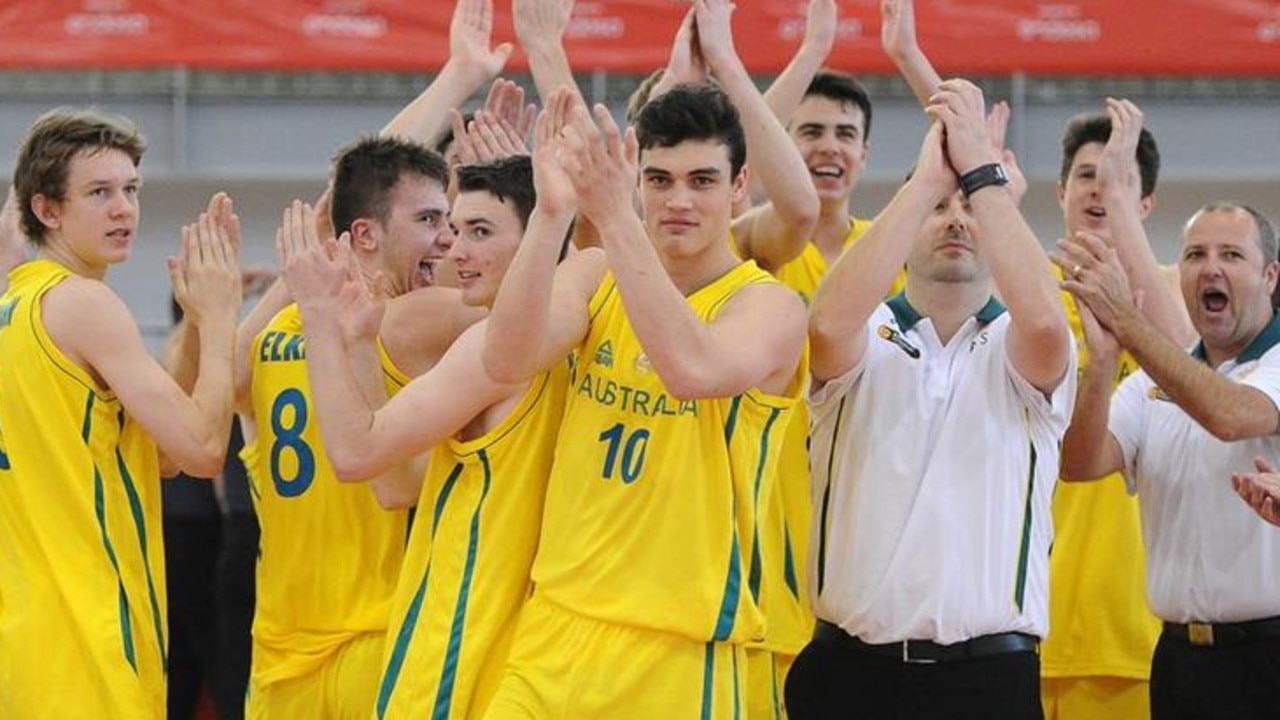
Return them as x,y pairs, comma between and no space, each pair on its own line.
830,681
190,549
1236,682
235,586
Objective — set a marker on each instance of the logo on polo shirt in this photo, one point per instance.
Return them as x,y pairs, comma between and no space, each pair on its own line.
604,354
896,338
1155,393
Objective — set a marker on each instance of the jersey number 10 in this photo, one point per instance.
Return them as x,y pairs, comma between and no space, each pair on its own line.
633,450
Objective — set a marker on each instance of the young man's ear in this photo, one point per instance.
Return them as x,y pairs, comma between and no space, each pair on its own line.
1146,205
47,210
741,183
364,235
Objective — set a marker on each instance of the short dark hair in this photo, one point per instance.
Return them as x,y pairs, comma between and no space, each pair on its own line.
693,112
509,179
53,141
1096,128
366,172
843,88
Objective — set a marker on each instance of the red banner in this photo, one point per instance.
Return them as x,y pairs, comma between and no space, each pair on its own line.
1079,37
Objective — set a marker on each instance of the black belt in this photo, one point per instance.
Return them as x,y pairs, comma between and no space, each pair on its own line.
927,651
1220,634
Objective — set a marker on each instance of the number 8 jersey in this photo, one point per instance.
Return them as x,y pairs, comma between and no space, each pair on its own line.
651,511
329,555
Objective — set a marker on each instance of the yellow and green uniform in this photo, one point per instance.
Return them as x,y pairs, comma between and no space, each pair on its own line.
1100,627
329,555
82,605
650,535
785,525
466,572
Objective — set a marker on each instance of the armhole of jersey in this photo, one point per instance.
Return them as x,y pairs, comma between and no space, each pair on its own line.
35,318
601,296
390,372
532,394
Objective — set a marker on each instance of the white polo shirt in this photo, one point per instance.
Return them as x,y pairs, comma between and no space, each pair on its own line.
1209,557
933,469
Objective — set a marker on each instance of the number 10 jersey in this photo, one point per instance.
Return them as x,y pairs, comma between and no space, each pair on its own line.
651,515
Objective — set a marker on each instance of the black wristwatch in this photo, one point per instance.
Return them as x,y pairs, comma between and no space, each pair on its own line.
982,176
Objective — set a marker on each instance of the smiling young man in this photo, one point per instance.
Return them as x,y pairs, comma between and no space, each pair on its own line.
83,409
319,625
1178,429
466,570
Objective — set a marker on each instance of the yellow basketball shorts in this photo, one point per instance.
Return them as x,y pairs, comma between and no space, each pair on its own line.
565,665
766,680
343,688
1095,698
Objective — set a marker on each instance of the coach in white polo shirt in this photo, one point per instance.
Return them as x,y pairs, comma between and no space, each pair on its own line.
1179,429
934,447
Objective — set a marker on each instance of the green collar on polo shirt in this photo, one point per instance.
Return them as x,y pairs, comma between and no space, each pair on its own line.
1264,341
908,316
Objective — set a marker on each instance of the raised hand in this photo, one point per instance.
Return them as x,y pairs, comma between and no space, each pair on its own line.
1093,274
540,21
555,189
715,33
820,24
13,242
600,161
898,28
485,139
997,126
324,214
1118,167
506,102
932,166
1102,343
959,105
470,36
1261,490
206,274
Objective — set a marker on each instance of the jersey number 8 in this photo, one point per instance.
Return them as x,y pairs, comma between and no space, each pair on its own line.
289,437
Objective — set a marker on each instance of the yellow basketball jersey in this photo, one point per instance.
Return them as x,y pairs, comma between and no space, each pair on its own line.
786,524
651,513
466,572
329,555
1099,621
805,273
82,604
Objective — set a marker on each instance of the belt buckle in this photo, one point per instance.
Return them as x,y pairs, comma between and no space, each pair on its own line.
908,659
1200,634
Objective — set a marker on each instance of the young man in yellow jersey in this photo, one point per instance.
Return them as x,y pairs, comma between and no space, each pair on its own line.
322,611
87,417
687,364
466,571
319,625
